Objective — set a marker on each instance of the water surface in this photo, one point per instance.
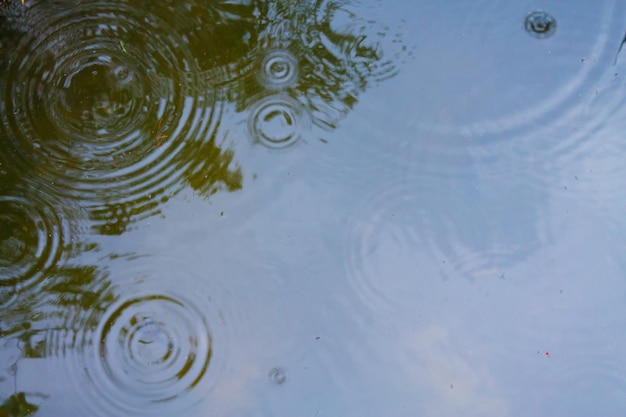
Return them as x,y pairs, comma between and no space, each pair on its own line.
340,208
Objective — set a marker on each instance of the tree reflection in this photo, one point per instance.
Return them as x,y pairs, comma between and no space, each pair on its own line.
335,53
282,63
47,321
84,90
17,406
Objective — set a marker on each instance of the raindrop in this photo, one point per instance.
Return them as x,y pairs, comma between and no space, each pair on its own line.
540,24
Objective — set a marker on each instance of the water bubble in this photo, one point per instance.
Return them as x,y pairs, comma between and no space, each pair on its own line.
540,24
277,121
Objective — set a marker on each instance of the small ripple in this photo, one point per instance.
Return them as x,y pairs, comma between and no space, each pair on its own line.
540,24
323,54
277,376
102,103
277,121
279,70
383,269
156,347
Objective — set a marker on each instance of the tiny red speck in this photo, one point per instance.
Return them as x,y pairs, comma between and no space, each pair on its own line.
547,353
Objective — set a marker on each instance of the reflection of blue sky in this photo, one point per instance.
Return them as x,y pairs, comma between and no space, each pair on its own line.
429,338
436,266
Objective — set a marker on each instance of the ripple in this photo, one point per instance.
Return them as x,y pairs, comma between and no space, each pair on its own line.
279,70
412,229
384,266
152,352
340,55
34,231
323,54
277,121
540,24
103,103
277,376
530,84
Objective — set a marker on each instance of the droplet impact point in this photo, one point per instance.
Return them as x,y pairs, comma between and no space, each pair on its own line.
540,24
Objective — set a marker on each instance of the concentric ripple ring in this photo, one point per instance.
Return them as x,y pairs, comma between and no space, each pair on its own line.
106,106
151,353
277,121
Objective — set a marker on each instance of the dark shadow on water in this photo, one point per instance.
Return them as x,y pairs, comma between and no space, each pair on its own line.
120,108
109,109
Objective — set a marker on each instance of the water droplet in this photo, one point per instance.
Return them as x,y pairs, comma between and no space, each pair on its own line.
540,24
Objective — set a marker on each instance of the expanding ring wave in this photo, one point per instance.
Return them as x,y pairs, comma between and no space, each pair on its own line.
106,106
151,354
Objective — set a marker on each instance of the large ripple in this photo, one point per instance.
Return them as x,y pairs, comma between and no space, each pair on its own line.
157,350
104,104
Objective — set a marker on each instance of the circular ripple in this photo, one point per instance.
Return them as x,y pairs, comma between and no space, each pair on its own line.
540,24
151,353
277,121
154,346
32,236
407,231
159,348
279,70
517,86
102,103
277,376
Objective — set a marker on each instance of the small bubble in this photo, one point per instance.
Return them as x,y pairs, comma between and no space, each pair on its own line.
540,24
277,376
